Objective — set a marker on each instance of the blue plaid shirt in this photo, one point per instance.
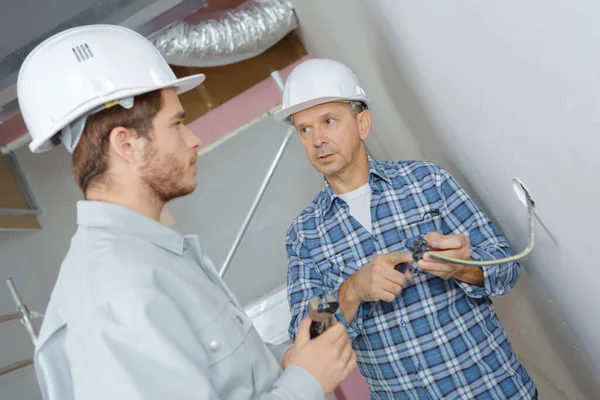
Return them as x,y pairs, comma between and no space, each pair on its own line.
439,339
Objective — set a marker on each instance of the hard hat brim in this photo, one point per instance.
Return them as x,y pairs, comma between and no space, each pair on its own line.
181,85
283,115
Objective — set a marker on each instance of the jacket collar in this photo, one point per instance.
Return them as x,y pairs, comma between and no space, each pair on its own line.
118,218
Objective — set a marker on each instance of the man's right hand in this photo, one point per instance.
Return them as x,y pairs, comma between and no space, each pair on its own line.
378,280
329,357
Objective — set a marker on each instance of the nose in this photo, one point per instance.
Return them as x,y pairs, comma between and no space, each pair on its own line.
319,137
192,140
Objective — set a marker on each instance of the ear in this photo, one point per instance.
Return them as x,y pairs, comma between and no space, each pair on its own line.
126,144
364,124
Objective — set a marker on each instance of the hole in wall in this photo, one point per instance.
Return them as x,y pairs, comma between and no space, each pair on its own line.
521,191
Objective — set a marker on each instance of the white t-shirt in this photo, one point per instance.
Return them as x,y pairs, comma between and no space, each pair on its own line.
359,201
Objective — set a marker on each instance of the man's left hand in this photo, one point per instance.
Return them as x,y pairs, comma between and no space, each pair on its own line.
454,246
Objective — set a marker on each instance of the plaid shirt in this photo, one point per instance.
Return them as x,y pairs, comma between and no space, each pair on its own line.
439,339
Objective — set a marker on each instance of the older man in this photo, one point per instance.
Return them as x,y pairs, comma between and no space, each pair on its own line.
429,332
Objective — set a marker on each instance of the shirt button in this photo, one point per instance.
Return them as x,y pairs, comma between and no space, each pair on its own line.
403,323
214,346
185,247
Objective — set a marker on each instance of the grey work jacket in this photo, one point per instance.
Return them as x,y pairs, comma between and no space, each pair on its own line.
138,312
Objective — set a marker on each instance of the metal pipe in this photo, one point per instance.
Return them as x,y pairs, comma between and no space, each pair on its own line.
26,315
256,202
227,36
10,317
13,367
19,211
261,191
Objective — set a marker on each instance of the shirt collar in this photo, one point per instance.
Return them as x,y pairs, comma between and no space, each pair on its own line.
376,170
99,214
376,173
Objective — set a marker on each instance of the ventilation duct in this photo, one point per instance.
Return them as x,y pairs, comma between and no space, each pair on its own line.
228,36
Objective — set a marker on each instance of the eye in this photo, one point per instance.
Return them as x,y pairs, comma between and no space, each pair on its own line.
304,130
329,121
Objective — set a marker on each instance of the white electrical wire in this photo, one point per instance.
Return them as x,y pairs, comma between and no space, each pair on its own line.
498,261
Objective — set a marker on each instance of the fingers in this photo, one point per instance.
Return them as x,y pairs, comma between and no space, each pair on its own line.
391,287
435,267
395,258
303,336
351,365
335,333
346,354
440,242
396,277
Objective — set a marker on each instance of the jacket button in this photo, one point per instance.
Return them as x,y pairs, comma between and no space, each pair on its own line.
214,346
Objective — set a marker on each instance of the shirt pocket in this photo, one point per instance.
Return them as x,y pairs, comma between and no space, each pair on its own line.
228,363
421,226
338,269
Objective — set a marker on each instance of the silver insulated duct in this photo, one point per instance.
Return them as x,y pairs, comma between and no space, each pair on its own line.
228,36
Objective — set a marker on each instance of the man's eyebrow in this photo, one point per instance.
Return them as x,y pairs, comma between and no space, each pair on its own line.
327,115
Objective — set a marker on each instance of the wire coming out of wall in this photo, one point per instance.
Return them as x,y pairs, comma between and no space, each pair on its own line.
531,209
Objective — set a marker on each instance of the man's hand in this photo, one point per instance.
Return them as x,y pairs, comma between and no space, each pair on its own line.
329,357
454,246
378,280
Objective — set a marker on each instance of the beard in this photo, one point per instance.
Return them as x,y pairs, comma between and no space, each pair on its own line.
165,175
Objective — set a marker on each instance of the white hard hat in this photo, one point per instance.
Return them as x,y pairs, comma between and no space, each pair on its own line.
318,81
83,70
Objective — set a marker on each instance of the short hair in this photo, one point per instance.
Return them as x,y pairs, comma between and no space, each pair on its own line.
90,157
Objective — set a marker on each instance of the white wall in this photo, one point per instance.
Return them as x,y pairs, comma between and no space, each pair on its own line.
493,90
228,179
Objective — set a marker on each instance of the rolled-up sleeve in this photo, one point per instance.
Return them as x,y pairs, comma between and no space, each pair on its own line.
462,216
304,282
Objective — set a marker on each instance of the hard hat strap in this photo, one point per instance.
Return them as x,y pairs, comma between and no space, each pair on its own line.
71,133
355,104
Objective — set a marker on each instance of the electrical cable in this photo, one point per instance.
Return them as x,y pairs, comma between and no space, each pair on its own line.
498,261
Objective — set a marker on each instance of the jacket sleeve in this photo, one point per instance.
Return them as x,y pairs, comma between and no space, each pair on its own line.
140,346
304,282
462,216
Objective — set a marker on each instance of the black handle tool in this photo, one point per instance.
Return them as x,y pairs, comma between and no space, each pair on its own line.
321,310
418,248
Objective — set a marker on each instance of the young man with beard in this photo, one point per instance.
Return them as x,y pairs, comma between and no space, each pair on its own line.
138,310
430,332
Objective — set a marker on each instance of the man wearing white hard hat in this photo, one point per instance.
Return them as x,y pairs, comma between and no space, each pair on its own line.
138,310
421,330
